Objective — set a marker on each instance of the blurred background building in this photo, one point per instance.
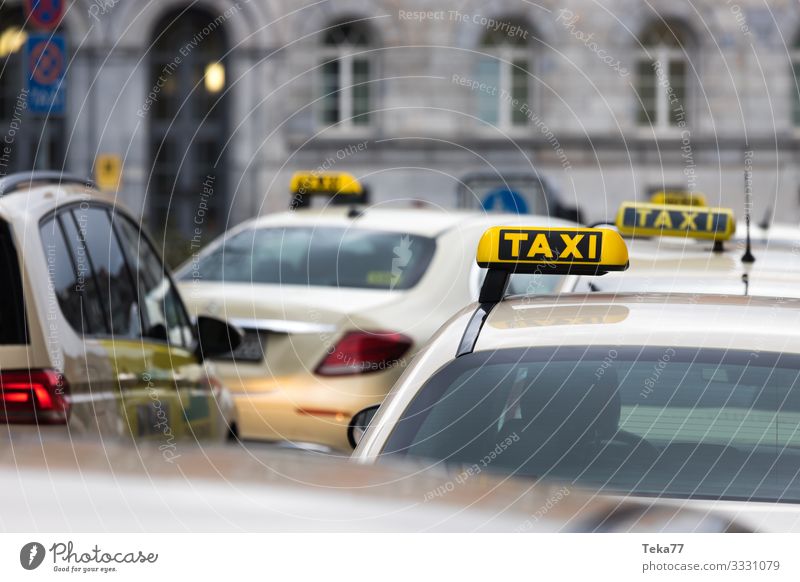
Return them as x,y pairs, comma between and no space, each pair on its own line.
211,105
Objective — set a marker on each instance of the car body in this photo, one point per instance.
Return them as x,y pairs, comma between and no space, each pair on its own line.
58,486
692,398
96,340
334,302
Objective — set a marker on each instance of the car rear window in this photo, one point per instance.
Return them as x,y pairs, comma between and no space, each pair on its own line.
320,256
13,326
656,421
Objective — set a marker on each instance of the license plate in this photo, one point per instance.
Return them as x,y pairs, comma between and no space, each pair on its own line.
251,349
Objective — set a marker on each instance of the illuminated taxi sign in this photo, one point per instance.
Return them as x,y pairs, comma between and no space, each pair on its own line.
328,183
642,219
556,251
680,197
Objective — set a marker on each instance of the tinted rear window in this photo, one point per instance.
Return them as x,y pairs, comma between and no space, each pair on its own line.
660,421
321,256
13,330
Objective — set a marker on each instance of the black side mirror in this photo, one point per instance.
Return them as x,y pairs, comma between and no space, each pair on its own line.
359,424
216,337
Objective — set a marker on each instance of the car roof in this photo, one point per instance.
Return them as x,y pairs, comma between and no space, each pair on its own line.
430,222
689,266
40,199
640,319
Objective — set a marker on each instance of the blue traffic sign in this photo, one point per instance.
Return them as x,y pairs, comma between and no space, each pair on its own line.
46,58
506,200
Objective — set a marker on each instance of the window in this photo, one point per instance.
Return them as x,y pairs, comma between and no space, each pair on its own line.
321,256
346,70
62,274
164,316
505,71
13,325
662,76
111,272
680,422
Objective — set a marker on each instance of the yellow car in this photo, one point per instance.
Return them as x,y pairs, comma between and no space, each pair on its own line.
95,338
701,256
334,302
648,395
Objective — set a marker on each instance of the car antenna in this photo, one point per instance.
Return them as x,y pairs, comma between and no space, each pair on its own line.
748,257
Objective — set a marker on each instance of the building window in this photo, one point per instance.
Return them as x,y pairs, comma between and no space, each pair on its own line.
346,71
505,70
662,76
186,104
29,141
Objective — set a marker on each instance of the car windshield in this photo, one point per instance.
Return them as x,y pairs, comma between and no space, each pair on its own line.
660,421
320,256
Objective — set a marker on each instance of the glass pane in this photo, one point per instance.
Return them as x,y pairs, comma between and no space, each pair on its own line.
646,87
111,272
62,275
520,81
163,311
331,83
685,422
328,257
86,285
361,92
488,99
677,98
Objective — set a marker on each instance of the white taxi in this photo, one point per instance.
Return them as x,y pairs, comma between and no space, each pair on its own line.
95,340
334,301
682,249
691,397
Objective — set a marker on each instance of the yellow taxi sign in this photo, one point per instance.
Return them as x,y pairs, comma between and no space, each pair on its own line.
556,251
642,219
681,197
329,183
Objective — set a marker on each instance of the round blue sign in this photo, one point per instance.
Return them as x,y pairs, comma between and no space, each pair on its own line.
506,200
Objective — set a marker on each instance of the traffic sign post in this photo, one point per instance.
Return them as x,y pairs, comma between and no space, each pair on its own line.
44,14
46,58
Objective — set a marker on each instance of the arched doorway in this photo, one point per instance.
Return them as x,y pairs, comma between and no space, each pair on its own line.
188,128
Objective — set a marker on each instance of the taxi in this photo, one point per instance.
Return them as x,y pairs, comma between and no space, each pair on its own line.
95,340
334,301
678,248
651,395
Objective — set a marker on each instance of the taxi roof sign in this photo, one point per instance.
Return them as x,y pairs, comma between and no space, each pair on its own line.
643,219
554,251
327,183
682,197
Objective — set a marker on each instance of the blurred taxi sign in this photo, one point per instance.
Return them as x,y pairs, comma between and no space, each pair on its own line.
681,197
555,251
108,172
328,183
642,219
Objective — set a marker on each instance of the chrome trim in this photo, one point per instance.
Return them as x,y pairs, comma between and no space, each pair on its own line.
284,325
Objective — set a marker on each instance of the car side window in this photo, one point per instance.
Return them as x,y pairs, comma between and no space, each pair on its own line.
62,274
86,284
163,312
114,280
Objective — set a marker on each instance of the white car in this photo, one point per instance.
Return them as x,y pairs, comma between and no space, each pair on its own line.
688,397
334,302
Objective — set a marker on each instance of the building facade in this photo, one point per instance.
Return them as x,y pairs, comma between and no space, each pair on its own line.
211,105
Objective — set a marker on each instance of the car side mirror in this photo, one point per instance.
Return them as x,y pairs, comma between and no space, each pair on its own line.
216,337
359,424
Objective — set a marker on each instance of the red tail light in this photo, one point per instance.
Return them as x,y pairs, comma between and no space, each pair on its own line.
360,352
33,397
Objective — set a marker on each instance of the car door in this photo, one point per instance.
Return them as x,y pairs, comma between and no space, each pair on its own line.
167,385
